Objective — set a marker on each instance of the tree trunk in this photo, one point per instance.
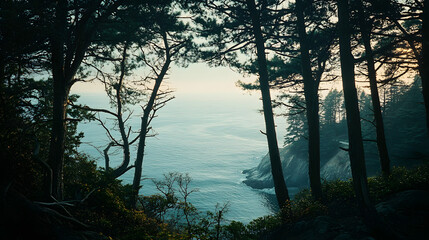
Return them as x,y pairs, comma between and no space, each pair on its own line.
276,166
144,127
424,68
61,91
372,76
356,151
140,154
126,146
58,133
65,64
312,107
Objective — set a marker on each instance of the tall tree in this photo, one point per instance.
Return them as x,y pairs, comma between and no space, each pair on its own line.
243,26
356,151
312,105
365,30
305,41
276,167
424,72
74,25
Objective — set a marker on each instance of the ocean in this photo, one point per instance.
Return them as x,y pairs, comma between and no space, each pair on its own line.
212,137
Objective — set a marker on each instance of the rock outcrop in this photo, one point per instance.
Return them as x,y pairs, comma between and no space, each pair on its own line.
295,170
407,213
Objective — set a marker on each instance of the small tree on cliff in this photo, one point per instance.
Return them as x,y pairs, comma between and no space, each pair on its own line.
161,39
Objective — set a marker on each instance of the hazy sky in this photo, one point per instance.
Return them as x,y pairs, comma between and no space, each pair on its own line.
196,79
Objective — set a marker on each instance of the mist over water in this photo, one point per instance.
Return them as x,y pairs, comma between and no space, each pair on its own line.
211,137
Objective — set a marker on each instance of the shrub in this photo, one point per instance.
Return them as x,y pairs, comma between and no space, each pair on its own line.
338,190
169,214
400,179
236,231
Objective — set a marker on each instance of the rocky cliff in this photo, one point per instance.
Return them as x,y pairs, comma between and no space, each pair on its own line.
295,169
336,166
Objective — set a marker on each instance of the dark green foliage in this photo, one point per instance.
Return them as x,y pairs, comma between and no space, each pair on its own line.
295,116
26,110
339,201
380,187
333,107
332,127
101,202
81,177
19,53
405,123
92,32
256,229
262,225
308,207
400,179
236,230
109,214
17,142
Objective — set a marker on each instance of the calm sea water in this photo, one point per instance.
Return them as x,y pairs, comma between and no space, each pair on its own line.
211,137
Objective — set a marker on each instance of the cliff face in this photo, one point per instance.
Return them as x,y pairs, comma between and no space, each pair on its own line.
406,136
295,170
332,167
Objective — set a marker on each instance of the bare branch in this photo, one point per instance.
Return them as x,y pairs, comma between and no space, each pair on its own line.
92,109
106,155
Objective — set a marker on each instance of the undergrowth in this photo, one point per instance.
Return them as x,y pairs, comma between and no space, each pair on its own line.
169,214
339,200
